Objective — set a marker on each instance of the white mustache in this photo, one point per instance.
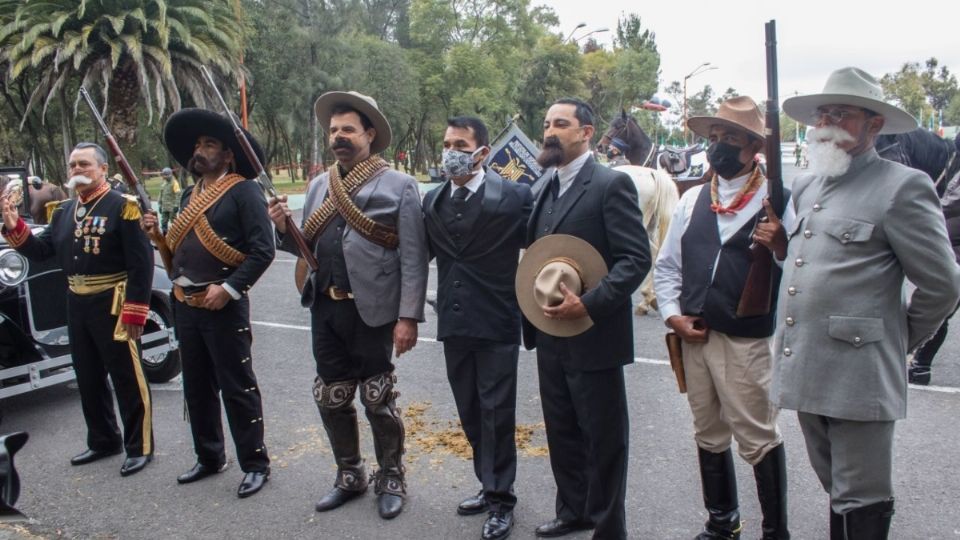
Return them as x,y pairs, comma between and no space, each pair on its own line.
78,179
828,134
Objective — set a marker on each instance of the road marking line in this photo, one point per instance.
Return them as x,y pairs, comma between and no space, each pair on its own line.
637,360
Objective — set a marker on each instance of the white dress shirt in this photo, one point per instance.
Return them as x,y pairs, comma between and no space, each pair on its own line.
667,273
472,185
568,172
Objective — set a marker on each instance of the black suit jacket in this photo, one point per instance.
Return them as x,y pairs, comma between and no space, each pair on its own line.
600,207
475,292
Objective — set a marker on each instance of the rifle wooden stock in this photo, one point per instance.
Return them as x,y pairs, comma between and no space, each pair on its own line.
756,299
135,185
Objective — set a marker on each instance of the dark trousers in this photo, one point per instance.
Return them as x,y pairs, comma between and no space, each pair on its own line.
483,377
585,413
216,357
344,347
925,354
95,355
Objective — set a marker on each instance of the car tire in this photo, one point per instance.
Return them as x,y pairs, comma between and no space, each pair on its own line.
165,366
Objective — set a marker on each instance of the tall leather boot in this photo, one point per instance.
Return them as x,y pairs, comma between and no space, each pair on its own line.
719,481
335,402
379,399
871,522
771,476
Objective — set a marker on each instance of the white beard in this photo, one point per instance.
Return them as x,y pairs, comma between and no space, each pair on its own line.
78,180
826,158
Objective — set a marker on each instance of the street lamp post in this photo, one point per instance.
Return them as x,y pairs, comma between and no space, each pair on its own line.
575,28
597,31
698,70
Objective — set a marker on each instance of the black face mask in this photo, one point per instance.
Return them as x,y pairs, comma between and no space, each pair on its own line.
725,159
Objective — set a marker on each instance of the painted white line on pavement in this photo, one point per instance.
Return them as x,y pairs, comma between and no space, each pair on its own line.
638,360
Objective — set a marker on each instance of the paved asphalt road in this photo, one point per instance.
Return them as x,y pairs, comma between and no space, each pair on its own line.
663,501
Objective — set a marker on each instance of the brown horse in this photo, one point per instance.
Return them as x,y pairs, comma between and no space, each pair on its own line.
656,191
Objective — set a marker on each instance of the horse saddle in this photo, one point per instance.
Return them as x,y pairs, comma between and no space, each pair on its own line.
676,160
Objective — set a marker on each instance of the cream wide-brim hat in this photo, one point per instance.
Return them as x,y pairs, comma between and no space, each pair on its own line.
855,87
555,259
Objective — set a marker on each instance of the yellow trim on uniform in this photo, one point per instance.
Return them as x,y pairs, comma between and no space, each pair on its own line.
146,436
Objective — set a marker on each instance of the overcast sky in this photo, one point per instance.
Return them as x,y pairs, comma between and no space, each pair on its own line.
814,37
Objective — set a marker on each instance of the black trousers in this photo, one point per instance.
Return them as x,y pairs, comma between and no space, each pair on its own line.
95,355
344,347
586,417
483,377
215,352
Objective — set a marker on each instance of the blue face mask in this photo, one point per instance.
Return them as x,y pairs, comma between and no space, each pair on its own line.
457,163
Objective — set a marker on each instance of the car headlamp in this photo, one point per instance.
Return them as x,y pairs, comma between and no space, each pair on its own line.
13,267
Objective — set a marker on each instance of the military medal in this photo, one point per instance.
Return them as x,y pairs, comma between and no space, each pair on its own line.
96,245
86,244
103,225
79,232
81,210
86,226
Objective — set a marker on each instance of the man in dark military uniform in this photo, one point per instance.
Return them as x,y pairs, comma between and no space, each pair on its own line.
109,267
222,242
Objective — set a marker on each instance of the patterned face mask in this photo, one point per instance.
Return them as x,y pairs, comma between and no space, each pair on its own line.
457,163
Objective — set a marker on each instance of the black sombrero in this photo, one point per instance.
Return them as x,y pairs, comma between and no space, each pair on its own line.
185,126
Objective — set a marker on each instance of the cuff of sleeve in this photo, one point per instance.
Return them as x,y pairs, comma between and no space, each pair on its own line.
134,313
18,235
231,291
669,310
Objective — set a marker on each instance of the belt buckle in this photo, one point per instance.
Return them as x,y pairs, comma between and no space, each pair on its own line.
336,294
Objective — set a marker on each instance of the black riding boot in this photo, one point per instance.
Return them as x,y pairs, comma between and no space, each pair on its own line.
335,402
870,522
719,481
771,475
379,398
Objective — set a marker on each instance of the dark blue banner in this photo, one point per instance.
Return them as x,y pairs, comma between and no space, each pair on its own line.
514,156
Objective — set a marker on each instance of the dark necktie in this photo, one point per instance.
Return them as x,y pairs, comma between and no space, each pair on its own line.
460,195
555,186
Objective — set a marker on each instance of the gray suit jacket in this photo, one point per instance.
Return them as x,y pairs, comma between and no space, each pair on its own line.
387,283
843,326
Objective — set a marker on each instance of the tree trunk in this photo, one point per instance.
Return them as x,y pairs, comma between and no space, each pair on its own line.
123,105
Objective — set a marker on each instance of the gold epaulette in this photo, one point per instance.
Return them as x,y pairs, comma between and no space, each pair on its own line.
52,207
131,208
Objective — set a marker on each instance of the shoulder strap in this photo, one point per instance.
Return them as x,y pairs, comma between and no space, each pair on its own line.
199,204
373,231
356,178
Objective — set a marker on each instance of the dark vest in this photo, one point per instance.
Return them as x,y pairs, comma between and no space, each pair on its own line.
715,295
459,218
547,215
329,252
194,262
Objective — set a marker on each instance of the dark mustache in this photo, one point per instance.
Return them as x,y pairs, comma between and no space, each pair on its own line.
553,140
342,143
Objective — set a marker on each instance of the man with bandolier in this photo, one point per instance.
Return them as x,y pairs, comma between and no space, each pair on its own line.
221,243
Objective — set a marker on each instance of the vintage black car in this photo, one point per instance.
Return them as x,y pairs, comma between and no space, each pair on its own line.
34,346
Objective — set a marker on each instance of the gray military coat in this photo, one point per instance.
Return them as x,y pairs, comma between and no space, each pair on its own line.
387,283
843,324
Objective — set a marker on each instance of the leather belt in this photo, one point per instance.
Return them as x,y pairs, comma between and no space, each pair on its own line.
194,299
339,294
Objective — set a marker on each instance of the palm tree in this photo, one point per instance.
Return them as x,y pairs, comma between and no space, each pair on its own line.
137,50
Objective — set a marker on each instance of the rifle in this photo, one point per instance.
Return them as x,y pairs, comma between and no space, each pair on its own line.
757,294
305,252
166,256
